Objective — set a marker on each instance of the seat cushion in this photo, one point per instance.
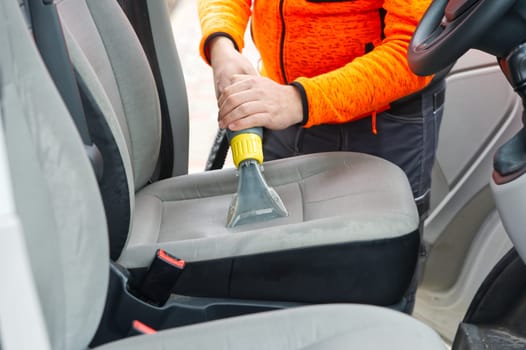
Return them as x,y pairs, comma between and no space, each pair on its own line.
330,197
352,221
314,327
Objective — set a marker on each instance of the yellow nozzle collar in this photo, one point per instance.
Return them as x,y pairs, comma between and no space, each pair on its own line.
246,146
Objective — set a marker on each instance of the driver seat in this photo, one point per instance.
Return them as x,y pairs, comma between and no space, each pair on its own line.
352,228
63,226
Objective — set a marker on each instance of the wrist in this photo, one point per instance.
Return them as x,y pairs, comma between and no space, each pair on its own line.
295,105
219,44
304,103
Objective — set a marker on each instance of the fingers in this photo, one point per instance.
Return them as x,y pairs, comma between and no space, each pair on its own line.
246,108
239,100
231,101
220,87
254,101
254,120
239,83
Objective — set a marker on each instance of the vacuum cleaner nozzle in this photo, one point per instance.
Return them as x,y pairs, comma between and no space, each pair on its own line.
254,201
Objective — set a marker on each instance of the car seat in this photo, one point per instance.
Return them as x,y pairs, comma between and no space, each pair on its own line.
58,213
351,214
353,224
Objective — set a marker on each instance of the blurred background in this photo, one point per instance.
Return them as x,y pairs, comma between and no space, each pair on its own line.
199,81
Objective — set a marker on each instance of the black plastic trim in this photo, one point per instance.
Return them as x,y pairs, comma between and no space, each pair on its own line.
503,286
496,318
122,308
510,158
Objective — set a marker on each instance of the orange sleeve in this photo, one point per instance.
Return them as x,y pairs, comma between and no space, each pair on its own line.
370,82
222,17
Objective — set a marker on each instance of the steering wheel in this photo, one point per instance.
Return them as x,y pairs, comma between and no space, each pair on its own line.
450,28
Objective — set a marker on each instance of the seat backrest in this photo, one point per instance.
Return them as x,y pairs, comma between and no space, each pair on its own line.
115,76
55,191
108,57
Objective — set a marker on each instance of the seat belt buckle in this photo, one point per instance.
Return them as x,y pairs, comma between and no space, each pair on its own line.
164,271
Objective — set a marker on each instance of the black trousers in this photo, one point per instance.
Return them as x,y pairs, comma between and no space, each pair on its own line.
407,136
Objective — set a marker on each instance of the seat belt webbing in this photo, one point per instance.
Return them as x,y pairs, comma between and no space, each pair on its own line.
49,38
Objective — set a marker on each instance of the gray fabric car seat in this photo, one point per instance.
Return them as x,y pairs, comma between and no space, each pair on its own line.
353,225
63,221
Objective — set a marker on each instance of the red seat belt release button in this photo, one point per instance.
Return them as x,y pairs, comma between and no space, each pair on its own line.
139,328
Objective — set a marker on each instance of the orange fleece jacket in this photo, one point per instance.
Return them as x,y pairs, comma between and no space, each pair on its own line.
346,57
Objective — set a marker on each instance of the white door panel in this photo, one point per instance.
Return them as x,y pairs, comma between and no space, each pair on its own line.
463,232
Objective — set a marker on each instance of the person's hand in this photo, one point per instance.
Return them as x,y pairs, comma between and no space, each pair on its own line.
226,61
253,101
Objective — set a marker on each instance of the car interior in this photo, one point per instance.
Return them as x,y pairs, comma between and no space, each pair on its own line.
110,250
